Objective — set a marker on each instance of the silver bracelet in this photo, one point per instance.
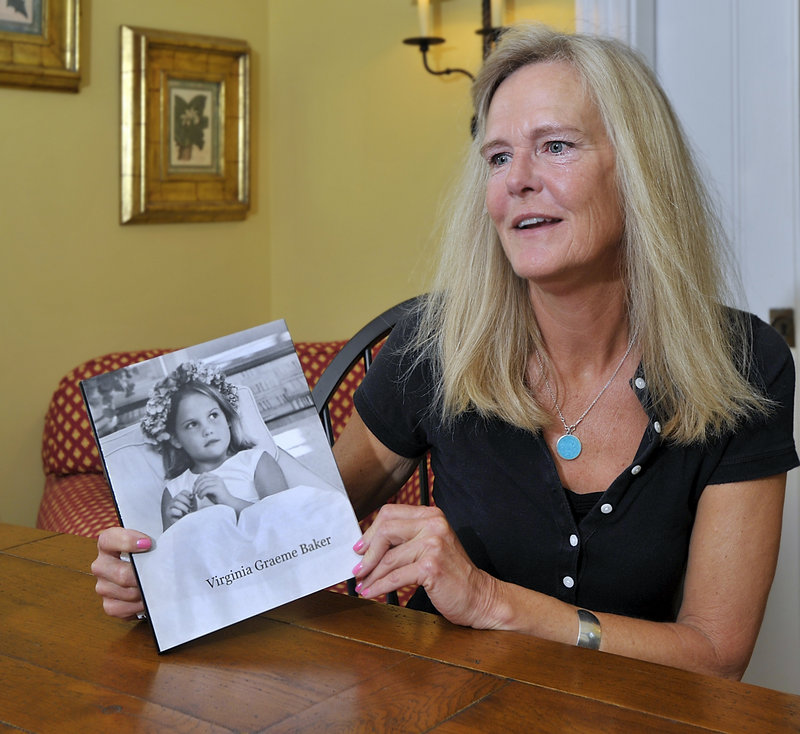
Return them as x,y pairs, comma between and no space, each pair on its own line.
589,632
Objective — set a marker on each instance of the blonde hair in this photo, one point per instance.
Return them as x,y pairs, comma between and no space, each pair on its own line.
478,325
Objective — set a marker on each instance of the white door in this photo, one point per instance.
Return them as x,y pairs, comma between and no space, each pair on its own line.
731,69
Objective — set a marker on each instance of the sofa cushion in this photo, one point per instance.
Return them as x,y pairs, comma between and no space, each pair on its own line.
80,504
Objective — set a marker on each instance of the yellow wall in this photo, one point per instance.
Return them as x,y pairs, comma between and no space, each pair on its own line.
363,145
75,283
353,145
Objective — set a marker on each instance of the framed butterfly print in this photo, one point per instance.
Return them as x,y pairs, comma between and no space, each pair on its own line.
185,127
39,44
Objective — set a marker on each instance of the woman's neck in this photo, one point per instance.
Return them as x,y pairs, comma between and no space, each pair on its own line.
585,331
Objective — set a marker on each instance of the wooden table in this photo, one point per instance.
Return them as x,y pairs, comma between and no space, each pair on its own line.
323,663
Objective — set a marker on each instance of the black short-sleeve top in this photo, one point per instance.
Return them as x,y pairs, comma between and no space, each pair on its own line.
500,491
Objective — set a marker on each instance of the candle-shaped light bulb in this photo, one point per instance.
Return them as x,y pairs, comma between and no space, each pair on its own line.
498,13
424,12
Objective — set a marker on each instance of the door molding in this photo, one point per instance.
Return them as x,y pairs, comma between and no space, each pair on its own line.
632,21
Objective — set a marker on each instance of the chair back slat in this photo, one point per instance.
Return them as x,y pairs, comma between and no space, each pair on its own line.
360,348
370,335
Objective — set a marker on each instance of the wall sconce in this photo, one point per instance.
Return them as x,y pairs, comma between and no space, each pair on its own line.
492,12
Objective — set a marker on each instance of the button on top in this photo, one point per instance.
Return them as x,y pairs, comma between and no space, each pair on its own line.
640,383
657,426
573,540
636,469
568,581
606,508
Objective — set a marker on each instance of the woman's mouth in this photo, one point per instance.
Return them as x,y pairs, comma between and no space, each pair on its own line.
531,222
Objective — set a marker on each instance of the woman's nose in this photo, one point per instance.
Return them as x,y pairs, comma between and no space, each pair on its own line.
523,175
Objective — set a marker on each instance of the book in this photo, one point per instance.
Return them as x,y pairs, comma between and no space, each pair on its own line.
217,453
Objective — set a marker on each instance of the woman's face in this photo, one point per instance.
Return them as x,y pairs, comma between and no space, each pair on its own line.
202,431
552,191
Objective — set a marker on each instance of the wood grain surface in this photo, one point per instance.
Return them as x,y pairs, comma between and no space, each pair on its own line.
326,662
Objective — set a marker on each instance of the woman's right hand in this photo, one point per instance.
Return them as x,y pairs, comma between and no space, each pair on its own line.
116,581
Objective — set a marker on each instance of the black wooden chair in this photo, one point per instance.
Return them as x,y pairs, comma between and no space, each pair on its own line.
360,348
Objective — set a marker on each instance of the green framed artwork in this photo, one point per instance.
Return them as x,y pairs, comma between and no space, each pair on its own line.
194,126
185,127
39,44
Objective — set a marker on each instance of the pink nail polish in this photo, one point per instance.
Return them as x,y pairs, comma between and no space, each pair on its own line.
359,545
143,544
359,586
357,569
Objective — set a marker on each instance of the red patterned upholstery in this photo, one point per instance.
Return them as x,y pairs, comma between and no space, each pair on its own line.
79,504
76,497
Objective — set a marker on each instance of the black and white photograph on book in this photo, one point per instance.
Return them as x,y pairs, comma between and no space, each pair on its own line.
217,453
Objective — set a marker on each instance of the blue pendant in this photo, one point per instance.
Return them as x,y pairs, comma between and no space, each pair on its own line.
568,447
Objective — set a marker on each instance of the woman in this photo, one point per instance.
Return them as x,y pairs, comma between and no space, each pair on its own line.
610,443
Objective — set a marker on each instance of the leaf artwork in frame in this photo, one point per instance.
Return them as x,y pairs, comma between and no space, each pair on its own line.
188,123
185,134
39,44
194,126
21,16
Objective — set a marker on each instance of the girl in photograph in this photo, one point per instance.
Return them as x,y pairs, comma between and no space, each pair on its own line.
192,417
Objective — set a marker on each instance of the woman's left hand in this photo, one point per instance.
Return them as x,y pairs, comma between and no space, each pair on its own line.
415,545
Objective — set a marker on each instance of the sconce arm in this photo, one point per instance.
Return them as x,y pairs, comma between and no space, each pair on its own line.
424,43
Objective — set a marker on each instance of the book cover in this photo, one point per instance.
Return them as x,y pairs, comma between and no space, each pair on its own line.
217,453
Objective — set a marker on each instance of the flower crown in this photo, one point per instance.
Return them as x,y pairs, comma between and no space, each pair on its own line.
154,423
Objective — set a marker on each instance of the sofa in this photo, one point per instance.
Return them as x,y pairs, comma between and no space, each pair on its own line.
77,499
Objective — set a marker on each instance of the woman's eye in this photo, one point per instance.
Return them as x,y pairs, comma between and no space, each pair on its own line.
499,159
213,415
557,147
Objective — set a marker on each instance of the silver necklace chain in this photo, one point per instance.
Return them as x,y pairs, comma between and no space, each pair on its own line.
570,429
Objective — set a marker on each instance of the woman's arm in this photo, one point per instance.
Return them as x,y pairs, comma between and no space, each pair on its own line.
371,472
732,558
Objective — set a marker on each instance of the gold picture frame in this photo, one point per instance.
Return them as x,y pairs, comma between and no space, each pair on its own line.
185,127
39,44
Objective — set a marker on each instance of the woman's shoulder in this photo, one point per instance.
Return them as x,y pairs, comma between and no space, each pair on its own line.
402,368
402,345
766,340
770,357
408,324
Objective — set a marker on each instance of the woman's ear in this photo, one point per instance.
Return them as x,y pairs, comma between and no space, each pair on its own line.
174,441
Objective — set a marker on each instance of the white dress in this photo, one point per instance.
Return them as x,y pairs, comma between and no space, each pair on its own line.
237,473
